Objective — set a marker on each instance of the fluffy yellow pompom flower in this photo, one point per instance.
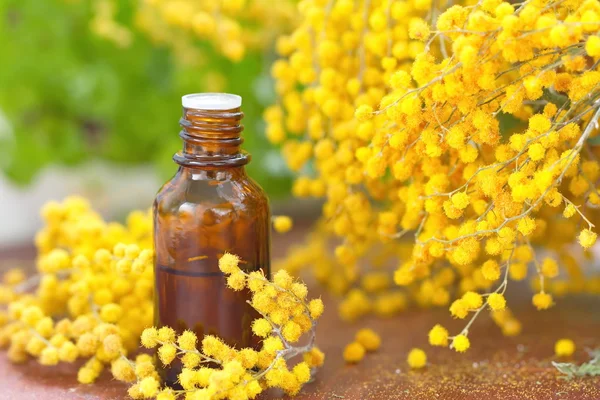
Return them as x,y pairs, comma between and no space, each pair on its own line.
228,263
459,309
314,358
291,331
166,334
417,358
122,370
149,337
45,327
569,211
404,276
592,46
490,270
86,375
31,315
68,352
272,345
35,345
103,296
518,271
149,387
316,308
49,356
526,226
253,389
542,301
400,80
438,336
236,281
124,266
134,391
418,29
587,238
283,279
261,327
113,344
191,360
282,223
119,249
364,112
248,358
299,290
144,367
549,268
461,343
187,340
111,312
564,348
472,300
102,256
354,352
460,200
132,251
496,301
255,281
87,344
536,152
369,339
187,378
167,394
166,353
302,372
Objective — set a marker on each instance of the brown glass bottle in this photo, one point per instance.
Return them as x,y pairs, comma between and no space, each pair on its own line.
209,207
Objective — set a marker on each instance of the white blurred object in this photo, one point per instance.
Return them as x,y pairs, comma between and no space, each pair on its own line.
113,190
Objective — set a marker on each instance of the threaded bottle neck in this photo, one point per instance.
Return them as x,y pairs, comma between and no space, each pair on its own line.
211,128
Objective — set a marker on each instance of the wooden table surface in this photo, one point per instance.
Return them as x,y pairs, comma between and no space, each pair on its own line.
495,367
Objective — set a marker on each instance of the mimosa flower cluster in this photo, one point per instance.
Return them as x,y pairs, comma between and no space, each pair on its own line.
92,295
218,371
230,27
454,140
92,300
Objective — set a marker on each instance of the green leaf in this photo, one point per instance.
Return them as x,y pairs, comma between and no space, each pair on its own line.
86,98
590,368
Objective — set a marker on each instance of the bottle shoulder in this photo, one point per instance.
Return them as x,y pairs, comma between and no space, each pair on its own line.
187,191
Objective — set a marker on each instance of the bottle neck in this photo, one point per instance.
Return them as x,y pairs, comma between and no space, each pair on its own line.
211,139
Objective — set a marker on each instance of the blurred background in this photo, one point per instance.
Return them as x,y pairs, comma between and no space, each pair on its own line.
90,101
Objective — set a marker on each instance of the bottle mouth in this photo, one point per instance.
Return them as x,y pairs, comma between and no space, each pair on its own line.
211,101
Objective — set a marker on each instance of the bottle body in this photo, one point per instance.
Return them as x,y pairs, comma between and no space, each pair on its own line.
208,208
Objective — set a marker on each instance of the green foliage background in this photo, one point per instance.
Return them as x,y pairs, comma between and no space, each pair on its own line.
67,95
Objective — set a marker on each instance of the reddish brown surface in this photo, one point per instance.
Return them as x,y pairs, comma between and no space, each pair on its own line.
494,368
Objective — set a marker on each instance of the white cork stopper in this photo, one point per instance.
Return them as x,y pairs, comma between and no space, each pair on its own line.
211,101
